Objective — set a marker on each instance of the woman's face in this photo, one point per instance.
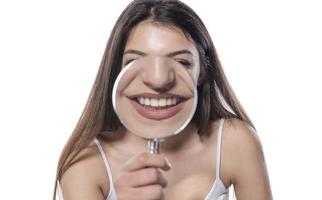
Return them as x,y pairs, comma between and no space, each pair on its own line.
156,94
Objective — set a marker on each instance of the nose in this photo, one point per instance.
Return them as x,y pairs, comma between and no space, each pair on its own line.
159,75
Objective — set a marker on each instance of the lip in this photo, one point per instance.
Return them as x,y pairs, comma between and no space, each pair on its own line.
159,113
157,96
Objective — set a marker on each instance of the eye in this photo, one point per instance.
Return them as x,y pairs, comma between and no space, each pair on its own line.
185,63
129,60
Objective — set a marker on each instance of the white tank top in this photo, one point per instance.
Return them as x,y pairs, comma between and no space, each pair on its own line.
217,192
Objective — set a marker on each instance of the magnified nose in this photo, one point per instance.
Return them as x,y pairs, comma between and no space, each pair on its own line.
159,75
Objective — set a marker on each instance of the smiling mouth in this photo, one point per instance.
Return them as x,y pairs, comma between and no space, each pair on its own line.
157,107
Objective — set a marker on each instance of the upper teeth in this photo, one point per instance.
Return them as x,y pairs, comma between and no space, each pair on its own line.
157,102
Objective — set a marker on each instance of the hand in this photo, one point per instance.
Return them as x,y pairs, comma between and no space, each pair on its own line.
141,178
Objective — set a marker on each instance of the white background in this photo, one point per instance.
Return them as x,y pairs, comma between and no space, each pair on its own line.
50,52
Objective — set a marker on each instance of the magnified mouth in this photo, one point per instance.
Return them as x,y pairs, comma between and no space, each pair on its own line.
157,106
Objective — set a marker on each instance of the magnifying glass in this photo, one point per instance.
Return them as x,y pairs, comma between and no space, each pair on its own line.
149,112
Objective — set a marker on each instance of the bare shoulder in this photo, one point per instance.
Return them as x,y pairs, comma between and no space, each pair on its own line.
86,177
236,134
239,134
245,162
241,143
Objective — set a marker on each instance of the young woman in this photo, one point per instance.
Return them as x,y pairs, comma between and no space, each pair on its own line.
219,148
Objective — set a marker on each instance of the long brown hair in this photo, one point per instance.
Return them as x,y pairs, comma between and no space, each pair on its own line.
216,98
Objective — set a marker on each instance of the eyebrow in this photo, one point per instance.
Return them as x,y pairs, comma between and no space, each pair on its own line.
171,54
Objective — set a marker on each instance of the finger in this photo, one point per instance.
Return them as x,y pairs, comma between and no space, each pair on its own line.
145,160
152,192
147,176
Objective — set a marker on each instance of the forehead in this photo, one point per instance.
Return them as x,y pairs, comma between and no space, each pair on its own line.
157,38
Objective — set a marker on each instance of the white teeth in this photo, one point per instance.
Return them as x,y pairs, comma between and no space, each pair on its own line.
141,100
169,101
162,102
152,102
147,101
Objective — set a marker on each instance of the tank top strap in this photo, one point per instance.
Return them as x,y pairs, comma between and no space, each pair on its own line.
219,136
107,166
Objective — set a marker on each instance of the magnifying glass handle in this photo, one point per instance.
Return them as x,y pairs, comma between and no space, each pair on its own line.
153,146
